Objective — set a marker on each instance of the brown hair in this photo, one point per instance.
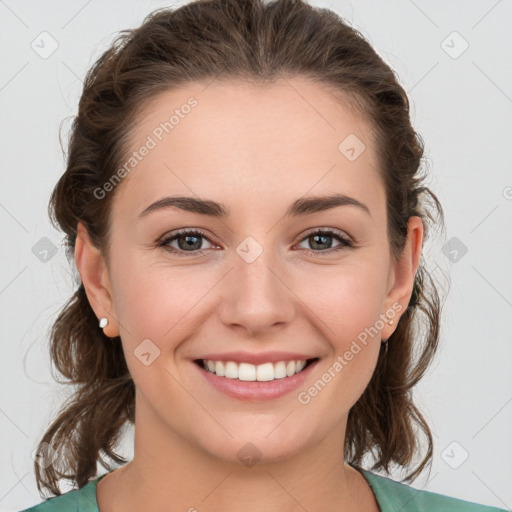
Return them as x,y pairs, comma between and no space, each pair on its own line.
253,41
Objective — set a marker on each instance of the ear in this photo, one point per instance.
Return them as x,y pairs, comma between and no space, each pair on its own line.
94,273
401,280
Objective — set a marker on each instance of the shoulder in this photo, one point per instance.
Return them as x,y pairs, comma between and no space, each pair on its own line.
393,495
78,500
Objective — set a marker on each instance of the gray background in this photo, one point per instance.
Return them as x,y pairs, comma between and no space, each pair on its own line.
461,105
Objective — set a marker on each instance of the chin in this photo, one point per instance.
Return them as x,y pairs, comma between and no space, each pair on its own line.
255,446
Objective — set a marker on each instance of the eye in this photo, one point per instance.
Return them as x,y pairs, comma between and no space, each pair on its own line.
189,240
321,238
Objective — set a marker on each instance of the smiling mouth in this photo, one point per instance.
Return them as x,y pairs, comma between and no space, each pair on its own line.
250,373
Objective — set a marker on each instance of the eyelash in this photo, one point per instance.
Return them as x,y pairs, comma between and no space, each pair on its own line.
345,242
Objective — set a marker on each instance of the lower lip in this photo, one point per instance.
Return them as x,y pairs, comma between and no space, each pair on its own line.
256,390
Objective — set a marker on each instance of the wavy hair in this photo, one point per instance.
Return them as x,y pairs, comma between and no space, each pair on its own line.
254,41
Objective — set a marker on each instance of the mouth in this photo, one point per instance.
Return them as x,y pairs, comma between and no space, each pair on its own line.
250,373
245,381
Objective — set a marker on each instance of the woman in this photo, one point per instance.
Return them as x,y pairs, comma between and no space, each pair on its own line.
243,203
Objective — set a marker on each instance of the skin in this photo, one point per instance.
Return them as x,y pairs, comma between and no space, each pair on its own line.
256,150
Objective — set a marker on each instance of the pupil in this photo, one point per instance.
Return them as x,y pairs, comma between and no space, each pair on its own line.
197,244
189,244
315,237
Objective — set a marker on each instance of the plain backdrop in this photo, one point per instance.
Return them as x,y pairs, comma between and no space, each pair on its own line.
453,59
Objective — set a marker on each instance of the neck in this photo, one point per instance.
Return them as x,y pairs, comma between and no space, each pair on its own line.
168,472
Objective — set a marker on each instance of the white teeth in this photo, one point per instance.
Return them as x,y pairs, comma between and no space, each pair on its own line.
300,366
219,368
231,370
264,372
280,370
246,371
250,372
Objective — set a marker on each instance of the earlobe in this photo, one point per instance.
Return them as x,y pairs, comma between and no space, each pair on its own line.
404,273
94,274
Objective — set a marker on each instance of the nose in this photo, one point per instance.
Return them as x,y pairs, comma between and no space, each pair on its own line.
256,296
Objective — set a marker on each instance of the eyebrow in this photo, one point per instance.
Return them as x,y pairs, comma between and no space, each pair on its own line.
302,206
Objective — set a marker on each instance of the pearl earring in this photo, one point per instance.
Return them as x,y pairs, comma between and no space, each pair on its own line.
103,322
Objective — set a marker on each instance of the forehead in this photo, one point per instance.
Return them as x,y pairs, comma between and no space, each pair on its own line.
281,141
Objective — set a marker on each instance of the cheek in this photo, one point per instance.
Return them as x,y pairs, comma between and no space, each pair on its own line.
348,301
157,301
348,308
158,309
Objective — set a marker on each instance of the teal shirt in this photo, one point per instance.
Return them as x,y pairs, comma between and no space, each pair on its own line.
391,496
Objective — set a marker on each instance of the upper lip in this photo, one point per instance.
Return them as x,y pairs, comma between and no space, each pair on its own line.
256,359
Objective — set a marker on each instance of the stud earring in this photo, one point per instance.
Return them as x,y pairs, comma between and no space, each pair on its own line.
385,343
103,322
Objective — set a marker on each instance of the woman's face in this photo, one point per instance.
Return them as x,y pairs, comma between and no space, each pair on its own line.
257,280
